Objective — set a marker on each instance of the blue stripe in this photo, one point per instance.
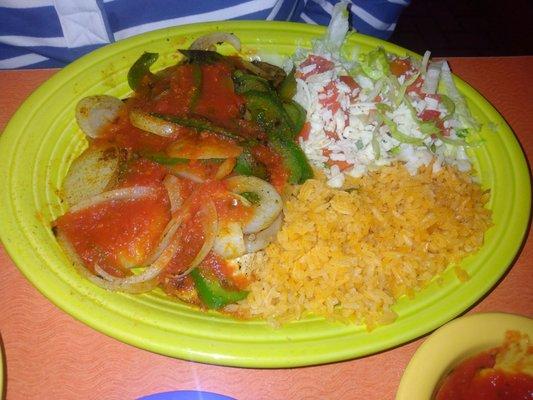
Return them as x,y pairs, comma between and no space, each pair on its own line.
363,27
382,10
39,21
45,64
123,14
285,11
62,55
316,13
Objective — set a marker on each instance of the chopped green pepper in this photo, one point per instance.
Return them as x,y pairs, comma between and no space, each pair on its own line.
296,114
245,82
294,159
140,68
161,159
268,112
197,80
287,88
198,124
252,197
211,292
202,56
248,166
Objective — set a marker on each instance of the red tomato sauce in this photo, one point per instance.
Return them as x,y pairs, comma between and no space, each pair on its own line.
475,379
116,235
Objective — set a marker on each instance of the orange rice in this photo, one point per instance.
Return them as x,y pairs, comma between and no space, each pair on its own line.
348,255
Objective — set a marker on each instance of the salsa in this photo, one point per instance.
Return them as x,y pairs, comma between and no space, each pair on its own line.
481,378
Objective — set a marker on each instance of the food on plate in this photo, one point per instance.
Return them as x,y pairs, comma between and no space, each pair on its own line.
333,186
504,372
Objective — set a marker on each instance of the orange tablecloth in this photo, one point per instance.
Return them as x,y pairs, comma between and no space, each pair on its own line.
50,355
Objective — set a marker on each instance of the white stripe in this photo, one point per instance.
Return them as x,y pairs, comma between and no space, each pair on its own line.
32,41
327,7
275,10
371,20
82,22
400,2
26,3
227,13
306,18
21,61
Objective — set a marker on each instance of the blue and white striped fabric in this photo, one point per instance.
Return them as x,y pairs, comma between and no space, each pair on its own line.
52,33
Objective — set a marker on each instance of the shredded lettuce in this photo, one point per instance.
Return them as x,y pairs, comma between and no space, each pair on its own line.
338,27
461,108
375,64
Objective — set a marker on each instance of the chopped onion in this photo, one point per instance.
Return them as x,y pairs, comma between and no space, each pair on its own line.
208,42
268,206
129,193
141,286
425,61
258,241
210,225
149,123
431,82
225,168
172,184
94,112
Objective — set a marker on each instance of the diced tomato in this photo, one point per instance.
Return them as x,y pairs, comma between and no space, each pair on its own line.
343,165
429,115
416,87
352,84
399,66
331,100
321,65
306,130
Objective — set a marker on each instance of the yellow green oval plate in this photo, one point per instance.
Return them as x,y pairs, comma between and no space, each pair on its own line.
42,140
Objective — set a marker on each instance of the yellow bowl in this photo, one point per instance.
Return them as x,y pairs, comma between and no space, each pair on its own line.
452,343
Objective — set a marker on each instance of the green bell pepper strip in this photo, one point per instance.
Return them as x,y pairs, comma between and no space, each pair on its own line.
211,292
294,159
246,82
268,112
197,78
296,114
202,56
287,88
164,160
141,68
247,165
198,124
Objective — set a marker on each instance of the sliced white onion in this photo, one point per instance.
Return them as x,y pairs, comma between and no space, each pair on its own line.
129,193
95,112
268,207
149,123
139,287
189,175
204,149
260,240
229,242
225,168
172,184
425,61
210,225
208,42
95,170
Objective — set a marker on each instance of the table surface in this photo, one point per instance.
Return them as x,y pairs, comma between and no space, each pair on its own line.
49,354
